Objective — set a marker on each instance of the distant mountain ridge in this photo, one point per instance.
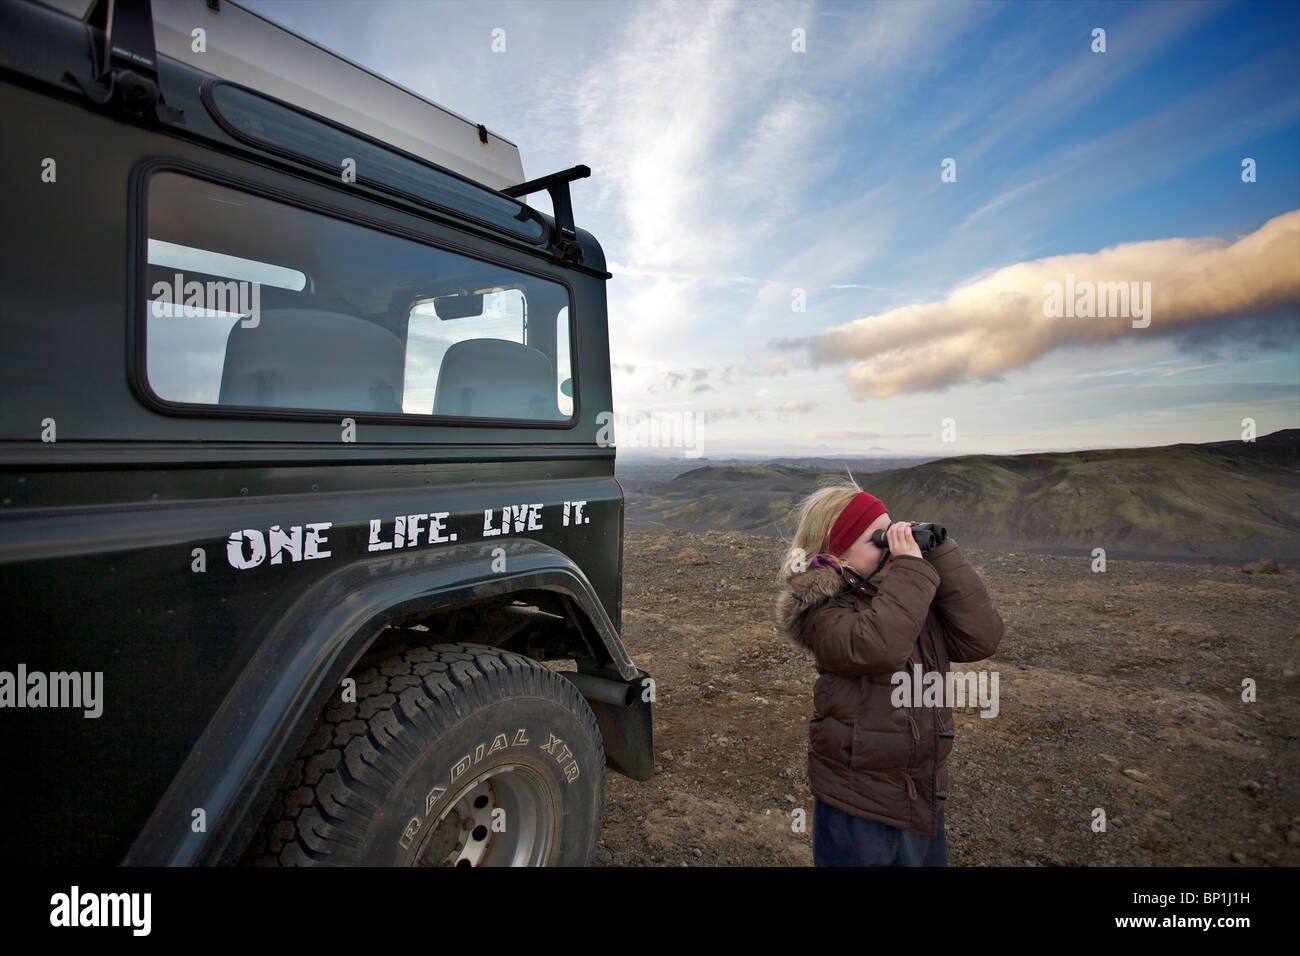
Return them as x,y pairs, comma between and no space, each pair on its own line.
1218,500
1282,434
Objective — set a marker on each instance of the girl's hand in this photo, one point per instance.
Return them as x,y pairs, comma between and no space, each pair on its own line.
901,542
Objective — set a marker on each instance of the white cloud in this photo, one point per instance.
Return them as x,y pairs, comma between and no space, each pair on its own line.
998,323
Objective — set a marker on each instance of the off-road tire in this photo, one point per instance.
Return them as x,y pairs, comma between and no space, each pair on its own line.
388,780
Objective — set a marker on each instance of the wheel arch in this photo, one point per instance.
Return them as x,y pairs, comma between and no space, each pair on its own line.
303,655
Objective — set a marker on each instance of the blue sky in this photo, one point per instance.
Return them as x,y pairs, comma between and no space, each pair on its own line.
730,170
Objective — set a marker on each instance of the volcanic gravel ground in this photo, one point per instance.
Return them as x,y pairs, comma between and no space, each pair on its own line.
1119,690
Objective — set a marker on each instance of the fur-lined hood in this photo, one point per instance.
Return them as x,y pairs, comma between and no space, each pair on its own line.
801,591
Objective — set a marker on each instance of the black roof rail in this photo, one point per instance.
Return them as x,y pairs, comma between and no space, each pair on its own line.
125,59
564,244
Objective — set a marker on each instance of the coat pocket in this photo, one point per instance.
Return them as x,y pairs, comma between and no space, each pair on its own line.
831,740
882,750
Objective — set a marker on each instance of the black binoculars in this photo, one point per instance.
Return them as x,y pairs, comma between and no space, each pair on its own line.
928,536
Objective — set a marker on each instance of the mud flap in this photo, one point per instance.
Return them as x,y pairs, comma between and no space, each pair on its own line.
628,731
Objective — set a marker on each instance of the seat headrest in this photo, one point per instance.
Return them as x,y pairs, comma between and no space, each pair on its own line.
496,378
308,358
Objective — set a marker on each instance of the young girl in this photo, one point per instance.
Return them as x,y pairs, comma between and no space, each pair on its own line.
878,772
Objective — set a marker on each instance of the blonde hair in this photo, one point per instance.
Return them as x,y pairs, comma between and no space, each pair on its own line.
817,513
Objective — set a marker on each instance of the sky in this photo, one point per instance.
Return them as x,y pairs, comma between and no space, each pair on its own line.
853,228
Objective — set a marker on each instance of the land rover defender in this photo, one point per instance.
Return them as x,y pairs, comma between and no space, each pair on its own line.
310,549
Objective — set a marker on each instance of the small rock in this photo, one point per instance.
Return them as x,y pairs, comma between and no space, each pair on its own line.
1162,814
790,798
689,556
696,851
1293,837
1236,856
1262,566
1252,787
1137,775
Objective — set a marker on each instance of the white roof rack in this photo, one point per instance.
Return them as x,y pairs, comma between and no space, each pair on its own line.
248,49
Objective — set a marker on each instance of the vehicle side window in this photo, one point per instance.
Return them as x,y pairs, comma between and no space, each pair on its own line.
565,384
260,304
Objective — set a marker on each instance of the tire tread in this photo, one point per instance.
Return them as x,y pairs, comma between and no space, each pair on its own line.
356,749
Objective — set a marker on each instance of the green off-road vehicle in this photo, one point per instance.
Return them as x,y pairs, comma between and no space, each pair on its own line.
310,545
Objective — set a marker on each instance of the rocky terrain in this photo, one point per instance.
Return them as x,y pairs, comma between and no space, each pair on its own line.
1119,690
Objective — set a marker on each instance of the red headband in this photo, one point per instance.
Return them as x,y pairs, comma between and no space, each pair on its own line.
853,520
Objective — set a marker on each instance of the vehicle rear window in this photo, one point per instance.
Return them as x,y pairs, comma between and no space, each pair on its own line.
256,303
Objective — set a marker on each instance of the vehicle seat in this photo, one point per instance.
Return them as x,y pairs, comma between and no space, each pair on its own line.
306,358
496,378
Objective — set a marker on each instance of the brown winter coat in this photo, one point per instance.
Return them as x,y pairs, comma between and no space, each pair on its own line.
866,756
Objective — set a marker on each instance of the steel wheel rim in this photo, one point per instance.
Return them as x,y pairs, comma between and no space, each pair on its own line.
464,835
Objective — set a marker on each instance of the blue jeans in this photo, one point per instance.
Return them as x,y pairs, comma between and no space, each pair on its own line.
841,839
